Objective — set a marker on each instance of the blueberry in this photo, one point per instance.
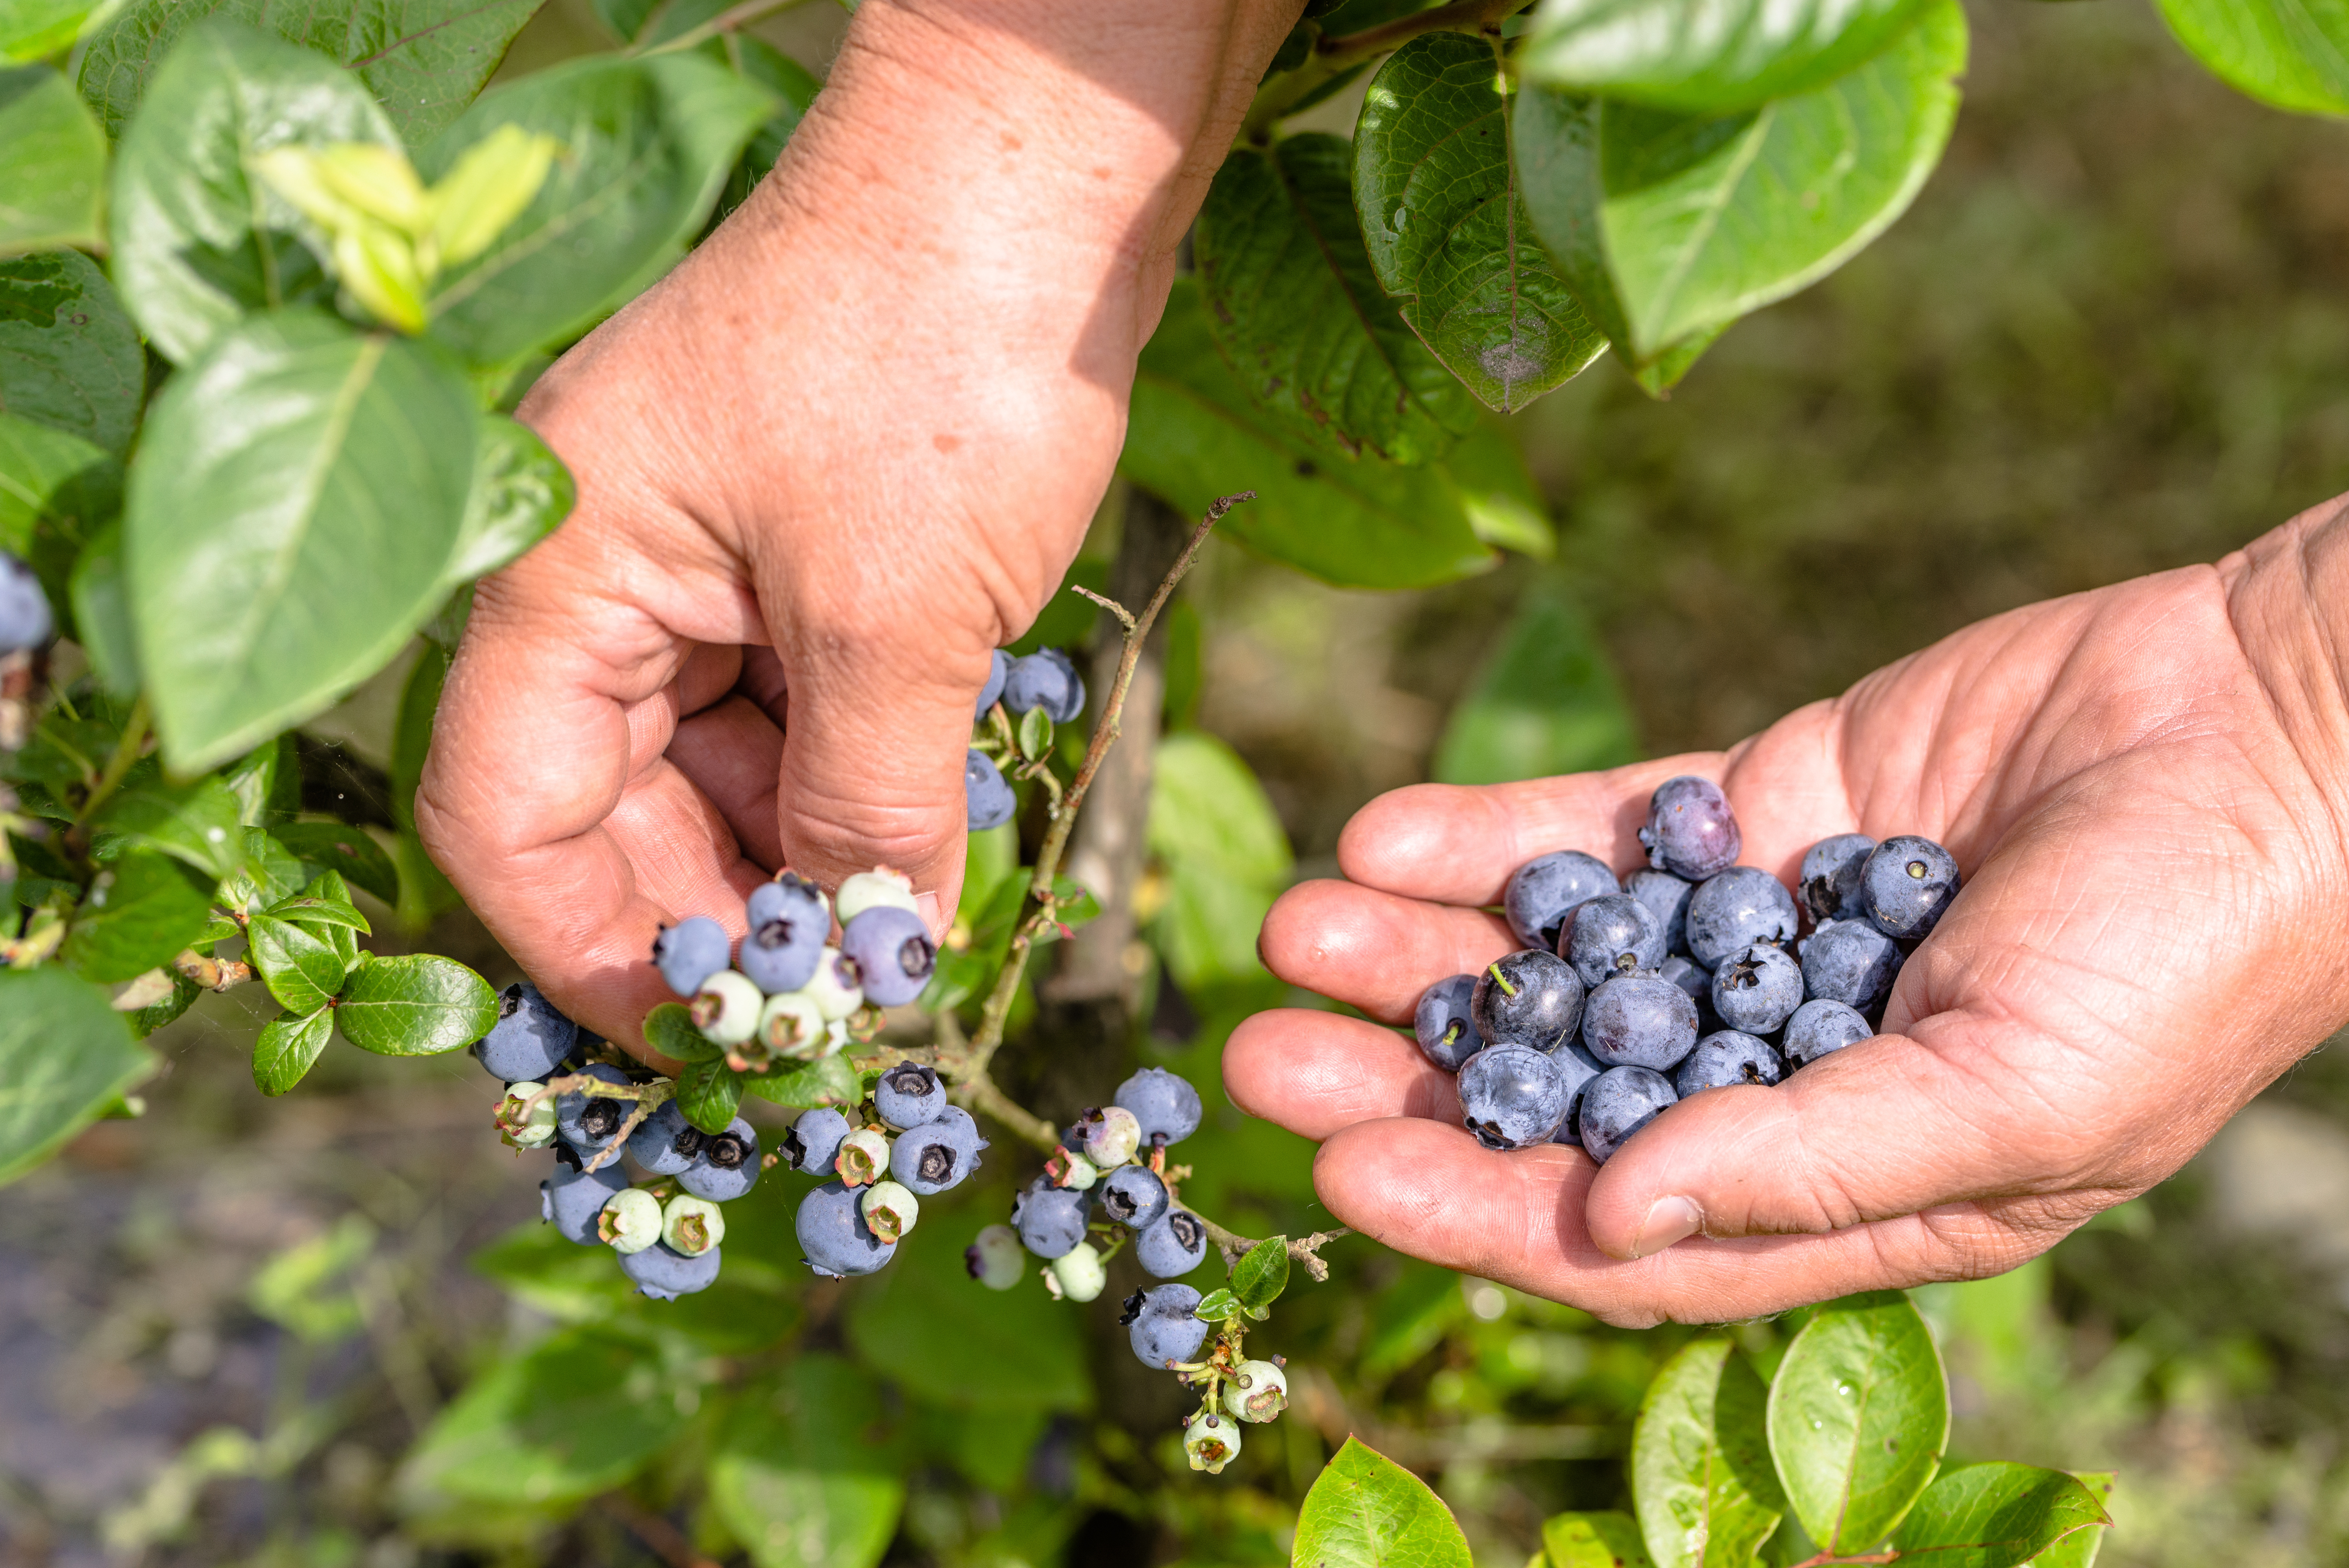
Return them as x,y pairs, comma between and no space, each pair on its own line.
1851,962
1050,1220
664,1273
789,923
1077,1274
1692,978
1906,884
1165,1105
889,1210
1531,999
1612,935
1174,1245
630,1220
588,1124
892,954
831,1229
692,1225
572,1198
1666,897
1511,1096
1620,1102
524,1120
1046,679
936,1155
1211,1440
727,1009
1829,884
997,667
1134,1196
834,989
1640,1021
813,1142
1256,1391
1740,907
909,1095
1690,831
879,888
530,1040
987,799
1821,1026
1112,1135
1163,1329
792,1027
667,1143
995,1258
25,618
690,952
1727,1058
1578,1068
727,1165
1757,989
1445,1031
864,1155
1544,893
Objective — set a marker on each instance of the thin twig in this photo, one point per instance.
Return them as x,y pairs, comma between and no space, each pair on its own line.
1305,1250
1333,56
126,751
668,1542
211,973
732,19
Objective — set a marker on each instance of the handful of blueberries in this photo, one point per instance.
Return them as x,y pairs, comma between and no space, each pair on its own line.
1045,679
1686,977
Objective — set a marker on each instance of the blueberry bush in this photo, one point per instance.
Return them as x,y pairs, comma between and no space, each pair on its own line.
272,282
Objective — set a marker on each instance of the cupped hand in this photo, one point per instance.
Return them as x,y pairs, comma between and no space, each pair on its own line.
838,456
2148,789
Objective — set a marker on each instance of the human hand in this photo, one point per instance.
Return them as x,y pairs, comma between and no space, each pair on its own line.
841,453
2145,786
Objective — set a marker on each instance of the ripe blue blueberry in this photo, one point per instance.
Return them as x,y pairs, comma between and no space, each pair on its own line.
1727,1058
1045,679
1134,1196
1163,1328
987,800
666,1143
727,1166
910,1095
664,1273
1820,1027
690,952
1640,1021
1666,897
1906,884
813,1142
1851,962
588,1124
1173,1246
1442,1023
1619,1102
1544,893
1050,1220
1165,1105
1578,1069
1829,884
572,1198
998,668
25,618
1612,935
1736,908
788,923
1531,999
1512,1096
832,1233
936,1155
530,1041
1692,978
892,954
1690,831
1757,989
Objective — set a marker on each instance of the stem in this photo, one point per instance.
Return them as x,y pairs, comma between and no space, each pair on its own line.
126,752
1305,1250
732,19
1333,58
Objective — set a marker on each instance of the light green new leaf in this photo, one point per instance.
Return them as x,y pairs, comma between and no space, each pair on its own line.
919,1324
1364,1511
289,1048
1296,307
143,908
1668,226
1447,230
198,242
2078,1550
831,1081
1544,702
416,1005
707,1094
40,468
1701,1460
797,1474
53,178
1707,57
668,1029
196,821
271,871
1996,1516
1858,1418
521,491
35,29
2292,54
69,357
1262,1275
300,968
1593,1540
65,1056
293,500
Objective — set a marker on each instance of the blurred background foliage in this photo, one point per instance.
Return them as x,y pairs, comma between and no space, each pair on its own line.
2109,339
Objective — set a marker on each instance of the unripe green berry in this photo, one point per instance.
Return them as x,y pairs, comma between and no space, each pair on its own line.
791,1026
996,1259
1112,1135
1074,1171
1211,1441
727,1009
691,1225
890,1210
836,996
1258,1391
1077,1274
879,888
631,1220
521,1124
864,1155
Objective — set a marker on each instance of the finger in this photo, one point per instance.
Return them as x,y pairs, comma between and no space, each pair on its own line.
1315,1072
1373,950
733,753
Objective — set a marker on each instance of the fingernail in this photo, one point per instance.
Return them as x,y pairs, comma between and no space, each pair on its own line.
925,909
1668,1219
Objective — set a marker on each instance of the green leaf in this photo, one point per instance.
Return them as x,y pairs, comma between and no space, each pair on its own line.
1296,308
1701,1460
709,1093
101,612
1225,854
69,357
145,1021
1996,1516
53,181
1263,1274
1545,701
648,144
270,872
416,1005
668,1029
267,783
199,243
1594,1540
2292,54
39,471
1859,1417
35,29
919,1324
1447,230
295,495
64,1056
798,1475
521,491
289,1048
339,847
1035,733
1364,1511
831,1081
422,59
143,908
301,968
1216,1305
2078,1550
321,907
196,823
1669,224
1707,57
1486,475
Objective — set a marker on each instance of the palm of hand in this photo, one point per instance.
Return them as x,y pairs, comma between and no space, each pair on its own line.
2132,779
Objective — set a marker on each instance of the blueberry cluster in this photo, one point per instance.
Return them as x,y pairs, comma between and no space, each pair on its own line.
1688,967
1046,679
24,619
911,1145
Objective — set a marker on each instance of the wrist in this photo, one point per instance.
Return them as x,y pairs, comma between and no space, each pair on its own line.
2287,598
